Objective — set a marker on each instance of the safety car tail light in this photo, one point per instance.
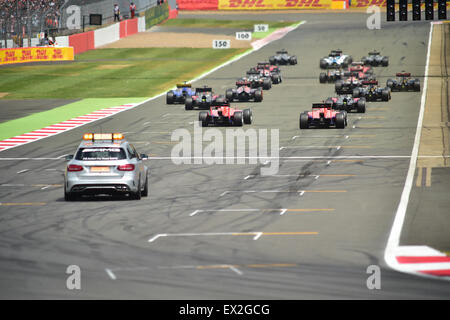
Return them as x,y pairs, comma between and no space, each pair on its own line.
74,168
126,167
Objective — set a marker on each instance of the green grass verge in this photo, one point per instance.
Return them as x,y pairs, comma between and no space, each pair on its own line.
43,119
212,23
109,73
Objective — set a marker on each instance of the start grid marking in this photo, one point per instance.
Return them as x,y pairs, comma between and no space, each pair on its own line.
256,235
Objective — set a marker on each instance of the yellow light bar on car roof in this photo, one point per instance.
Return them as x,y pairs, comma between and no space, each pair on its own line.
103,136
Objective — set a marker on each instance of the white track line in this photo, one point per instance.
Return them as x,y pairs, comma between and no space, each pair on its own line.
111,274
392,246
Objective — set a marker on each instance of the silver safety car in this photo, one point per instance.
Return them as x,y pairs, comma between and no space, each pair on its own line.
105,163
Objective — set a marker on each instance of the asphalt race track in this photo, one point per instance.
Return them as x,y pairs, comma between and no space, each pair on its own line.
227,233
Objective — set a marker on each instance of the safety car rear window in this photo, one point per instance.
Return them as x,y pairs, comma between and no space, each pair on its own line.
99,154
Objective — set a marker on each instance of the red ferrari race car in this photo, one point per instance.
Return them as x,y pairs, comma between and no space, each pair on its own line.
274,71
323,116
360,68
244,92
226,116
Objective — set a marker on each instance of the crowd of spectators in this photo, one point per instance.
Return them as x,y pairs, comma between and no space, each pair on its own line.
22,11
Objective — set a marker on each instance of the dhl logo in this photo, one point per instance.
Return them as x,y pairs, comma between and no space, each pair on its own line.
274,4
57,54
305,4
368,3
247,4
41,54
26,55
10,56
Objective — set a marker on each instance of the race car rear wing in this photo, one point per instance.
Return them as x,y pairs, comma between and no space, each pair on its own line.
184,85
368,82
322,105
220,103
403,74
243,83
204,89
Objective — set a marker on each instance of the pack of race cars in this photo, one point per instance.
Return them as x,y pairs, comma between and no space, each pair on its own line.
250,87
355,84
105,163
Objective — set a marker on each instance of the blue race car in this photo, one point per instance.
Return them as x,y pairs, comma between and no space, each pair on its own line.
179,95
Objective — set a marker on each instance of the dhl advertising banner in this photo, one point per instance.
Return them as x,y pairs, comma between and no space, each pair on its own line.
35,54
273,4
367,3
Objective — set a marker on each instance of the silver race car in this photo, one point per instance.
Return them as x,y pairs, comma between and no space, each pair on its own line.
105,163
282,57
335,60
375,59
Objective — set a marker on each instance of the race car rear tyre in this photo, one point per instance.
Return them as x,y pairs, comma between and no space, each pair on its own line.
293,60
389,83
303,121
229,95
169,97
361,106
340,120
267,84
356,93
248,116
338,86
385,62
322,77
203,118
188,104
258,95
385,95
417,85
238,119
323,64
272,61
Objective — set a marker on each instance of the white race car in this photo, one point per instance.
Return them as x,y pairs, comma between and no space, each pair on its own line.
335,60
